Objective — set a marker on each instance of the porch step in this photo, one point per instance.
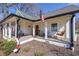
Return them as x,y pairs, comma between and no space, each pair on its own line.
26,39
55,42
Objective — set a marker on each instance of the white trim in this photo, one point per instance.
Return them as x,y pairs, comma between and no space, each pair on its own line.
41,40
26,41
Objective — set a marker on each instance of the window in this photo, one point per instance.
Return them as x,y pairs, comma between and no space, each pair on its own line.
54,27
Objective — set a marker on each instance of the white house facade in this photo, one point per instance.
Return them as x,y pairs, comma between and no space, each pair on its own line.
59,24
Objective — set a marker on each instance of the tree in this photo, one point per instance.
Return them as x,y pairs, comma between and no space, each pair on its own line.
27,8
4,9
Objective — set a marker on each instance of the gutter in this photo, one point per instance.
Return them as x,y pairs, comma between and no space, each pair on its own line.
71,32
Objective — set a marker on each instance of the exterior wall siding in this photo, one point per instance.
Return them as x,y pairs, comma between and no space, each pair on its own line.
26,27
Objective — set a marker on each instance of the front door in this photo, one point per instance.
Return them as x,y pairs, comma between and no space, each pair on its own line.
36,29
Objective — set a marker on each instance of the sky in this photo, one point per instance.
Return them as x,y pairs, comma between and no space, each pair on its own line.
47,7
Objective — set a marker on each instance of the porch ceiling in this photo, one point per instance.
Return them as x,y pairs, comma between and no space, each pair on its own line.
10,19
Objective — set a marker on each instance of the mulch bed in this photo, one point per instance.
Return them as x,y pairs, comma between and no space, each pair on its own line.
49,49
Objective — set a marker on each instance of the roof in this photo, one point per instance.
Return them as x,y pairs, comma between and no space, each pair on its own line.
66,10
11,15
20,13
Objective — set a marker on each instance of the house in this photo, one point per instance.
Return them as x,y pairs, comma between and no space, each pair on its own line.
59,23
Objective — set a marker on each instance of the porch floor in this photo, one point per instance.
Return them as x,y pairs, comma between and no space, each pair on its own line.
29,38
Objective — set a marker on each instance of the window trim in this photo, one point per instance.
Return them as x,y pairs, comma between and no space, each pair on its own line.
51,27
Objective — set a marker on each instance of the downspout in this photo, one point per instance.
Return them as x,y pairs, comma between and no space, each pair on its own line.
71,31
1,31
17,37
17,48
18,27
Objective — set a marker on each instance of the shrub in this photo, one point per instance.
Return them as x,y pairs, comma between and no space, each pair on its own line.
39,53
9,47
26,49
2,43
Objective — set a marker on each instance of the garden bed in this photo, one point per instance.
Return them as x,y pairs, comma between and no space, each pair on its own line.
6,47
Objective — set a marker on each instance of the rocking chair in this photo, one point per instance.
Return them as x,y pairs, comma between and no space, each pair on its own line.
59,35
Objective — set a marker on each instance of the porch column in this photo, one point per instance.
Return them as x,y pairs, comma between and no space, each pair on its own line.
33,30
15,29
74,35
6,30
16,32
3,31
68,30
9,30
46,30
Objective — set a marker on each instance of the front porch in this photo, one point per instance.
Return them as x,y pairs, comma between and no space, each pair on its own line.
10,31
20,29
